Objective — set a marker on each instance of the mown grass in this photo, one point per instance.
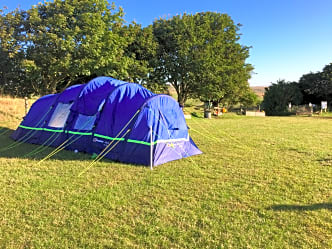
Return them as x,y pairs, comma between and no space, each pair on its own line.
261,183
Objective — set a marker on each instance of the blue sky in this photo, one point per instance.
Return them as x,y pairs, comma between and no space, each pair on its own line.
288,37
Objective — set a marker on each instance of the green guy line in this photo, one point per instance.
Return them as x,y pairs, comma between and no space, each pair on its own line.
109,138
96,135
30,128
140,142
80,133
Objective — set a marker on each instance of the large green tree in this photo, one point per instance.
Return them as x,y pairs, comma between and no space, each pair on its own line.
62,42
70,39
200,56
141,49
11,52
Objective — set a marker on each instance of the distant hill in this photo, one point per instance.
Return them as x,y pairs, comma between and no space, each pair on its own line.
259,90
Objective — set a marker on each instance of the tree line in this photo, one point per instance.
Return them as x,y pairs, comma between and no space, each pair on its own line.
59,43
311,88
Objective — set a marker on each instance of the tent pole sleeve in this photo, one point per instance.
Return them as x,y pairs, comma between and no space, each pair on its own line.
151,149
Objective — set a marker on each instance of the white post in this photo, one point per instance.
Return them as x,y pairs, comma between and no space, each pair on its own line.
151,149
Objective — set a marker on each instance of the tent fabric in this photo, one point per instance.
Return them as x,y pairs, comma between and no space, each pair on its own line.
105,110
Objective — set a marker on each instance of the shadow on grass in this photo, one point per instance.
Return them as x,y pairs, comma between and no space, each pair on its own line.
326,161
10,148
311,207
4,131
323,117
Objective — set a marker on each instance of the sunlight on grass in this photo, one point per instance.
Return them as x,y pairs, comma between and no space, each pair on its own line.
260,183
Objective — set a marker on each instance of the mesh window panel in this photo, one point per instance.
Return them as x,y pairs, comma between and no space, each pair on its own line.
60,115
85,122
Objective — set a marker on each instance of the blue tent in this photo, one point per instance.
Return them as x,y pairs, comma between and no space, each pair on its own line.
126,121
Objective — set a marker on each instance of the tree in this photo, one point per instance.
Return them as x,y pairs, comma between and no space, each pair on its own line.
200,56
326,84
224,74
309,85
66,40
56,44
316,87
278,95
140,50
248,98
59,43
11,52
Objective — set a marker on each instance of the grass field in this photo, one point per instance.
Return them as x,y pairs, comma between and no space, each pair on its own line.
261,183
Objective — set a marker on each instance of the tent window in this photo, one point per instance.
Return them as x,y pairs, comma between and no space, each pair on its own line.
84,122
60,115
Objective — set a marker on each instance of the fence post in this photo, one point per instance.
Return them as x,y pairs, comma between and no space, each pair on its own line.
26,104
